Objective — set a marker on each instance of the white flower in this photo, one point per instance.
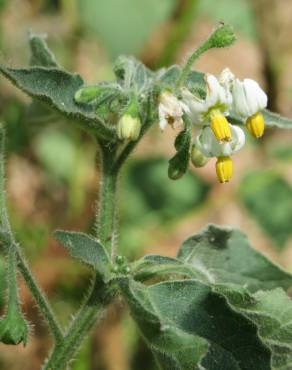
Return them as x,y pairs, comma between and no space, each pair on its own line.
170,110
207,143
218,98
248,98
226,79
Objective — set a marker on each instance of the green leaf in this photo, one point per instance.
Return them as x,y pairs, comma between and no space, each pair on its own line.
86,249
132,73
41,55
276,120
153,265
189,326
224,255
271,311
261,191
179,163
56,88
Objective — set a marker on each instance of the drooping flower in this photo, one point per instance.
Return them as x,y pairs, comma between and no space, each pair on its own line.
248,102
209,146
171,110
213,109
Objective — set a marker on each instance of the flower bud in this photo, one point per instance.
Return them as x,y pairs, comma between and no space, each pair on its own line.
13,328
197,157
224,169
86,94
129,127
223,36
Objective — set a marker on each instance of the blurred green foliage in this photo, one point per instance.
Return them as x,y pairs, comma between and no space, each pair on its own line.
67,158
281,152
238,13
17,128
150,198
268,198
2,282
124,26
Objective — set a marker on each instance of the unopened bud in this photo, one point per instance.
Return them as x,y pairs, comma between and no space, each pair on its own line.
129,127
87,94
197,157
223,36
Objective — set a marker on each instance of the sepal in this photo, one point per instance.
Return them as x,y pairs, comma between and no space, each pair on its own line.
14,328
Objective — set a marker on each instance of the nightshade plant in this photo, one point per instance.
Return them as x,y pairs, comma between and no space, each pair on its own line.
219,304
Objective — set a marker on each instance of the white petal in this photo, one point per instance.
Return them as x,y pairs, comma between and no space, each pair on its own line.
203,141
213,89
226,78
211,147
255,96
238,138
240,105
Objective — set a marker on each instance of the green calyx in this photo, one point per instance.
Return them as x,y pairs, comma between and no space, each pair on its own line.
13,327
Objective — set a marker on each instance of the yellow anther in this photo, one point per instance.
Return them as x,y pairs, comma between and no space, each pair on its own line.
220,126
256,125
224,169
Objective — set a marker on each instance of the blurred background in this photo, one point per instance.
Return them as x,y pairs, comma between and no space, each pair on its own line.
51,177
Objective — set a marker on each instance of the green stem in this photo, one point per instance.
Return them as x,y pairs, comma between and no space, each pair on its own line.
100,294
188,66
106,214
13,298
8,239
89,314
39,296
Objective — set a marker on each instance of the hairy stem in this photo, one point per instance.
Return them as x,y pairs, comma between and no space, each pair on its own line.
91,311
106,214
100,294
17,255
188,66
39,296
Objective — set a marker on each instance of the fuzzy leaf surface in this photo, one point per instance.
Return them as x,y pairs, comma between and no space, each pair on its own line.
41,55
189,326
56,88
224,255
271,311
86,249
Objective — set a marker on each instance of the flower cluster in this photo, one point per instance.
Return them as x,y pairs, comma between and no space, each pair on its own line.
216,137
